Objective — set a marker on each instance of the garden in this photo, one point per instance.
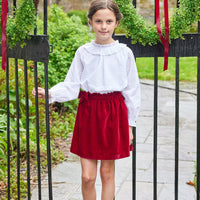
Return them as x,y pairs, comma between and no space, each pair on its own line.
67,32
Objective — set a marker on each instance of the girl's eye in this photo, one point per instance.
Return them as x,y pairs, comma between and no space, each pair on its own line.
109,21
98,21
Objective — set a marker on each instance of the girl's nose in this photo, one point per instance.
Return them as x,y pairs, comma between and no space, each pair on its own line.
103,26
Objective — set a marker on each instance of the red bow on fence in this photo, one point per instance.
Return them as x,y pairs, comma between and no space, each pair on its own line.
165,41
4,10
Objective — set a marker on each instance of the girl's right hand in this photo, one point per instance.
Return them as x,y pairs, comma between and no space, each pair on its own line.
41,93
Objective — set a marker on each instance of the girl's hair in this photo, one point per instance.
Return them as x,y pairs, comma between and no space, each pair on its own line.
104,4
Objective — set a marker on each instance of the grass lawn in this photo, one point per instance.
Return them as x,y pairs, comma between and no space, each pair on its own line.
187,69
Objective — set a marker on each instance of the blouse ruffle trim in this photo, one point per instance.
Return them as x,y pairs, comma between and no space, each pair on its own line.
104,49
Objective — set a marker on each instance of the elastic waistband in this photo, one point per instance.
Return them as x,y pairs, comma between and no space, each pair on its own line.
91,96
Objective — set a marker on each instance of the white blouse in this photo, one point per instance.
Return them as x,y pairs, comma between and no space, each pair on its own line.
102,69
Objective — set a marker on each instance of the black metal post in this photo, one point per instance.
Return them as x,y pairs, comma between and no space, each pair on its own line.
48,132
155,127
198,130
134,3
198,125
45,17
177,129
134,165
14,5
37,131
178,3
8,128
198,26
47,111
27,131
17,125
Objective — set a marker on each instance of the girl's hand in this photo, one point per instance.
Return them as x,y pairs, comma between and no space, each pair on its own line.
130,135
41,93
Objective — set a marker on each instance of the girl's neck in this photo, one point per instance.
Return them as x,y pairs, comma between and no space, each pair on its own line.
104,42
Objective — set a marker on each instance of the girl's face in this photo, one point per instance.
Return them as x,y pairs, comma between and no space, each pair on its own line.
104,23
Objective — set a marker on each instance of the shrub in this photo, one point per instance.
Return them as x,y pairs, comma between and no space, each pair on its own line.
66,34
82,14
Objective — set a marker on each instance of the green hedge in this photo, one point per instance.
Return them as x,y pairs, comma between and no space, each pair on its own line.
80,13
66,34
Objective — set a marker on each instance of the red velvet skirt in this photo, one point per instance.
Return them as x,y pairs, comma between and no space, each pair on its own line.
101,129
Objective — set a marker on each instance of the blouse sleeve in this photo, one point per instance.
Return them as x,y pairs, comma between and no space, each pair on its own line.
132,92
70,88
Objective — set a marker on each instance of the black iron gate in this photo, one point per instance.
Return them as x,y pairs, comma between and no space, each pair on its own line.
189,47
37,50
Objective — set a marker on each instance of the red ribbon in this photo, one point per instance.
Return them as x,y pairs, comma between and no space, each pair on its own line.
4,10
165,41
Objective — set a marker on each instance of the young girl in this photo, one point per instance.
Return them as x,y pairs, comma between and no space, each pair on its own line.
109,104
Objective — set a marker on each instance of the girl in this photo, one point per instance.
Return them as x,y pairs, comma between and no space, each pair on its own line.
109,104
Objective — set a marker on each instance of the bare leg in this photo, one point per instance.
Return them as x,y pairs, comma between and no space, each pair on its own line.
107,172
89,173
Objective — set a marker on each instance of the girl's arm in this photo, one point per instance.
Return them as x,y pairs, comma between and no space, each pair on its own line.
132,92
69,88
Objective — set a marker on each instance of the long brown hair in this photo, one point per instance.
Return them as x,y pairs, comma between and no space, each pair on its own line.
104,4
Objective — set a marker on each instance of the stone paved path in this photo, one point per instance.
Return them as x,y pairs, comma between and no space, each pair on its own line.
66,176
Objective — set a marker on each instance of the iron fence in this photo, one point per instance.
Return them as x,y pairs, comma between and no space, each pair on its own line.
37,50
188,47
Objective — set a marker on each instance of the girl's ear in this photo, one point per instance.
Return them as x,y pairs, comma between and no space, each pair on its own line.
117,23
90,22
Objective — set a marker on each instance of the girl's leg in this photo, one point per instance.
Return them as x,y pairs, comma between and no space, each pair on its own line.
107,173
89,173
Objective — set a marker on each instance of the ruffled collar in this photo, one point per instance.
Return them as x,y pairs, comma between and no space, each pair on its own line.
103,49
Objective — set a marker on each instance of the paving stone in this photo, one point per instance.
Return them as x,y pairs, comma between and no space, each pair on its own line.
186,192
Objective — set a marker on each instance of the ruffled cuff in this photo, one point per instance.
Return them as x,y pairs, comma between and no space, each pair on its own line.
132,123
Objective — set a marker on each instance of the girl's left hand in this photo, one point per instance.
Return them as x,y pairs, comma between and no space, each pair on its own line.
130,135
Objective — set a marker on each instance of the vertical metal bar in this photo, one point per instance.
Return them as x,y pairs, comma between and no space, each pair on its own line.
198,124
35,29
48,131
178,3
18,132
47,111
134,164
177,130
155,120
37,131
8,128
14,5
45,17
134,3
198,128
27,131
155,127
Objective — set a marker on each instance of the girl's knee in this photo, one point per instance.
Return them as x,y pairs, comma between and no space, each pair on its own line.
88,180
107,172
89,171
